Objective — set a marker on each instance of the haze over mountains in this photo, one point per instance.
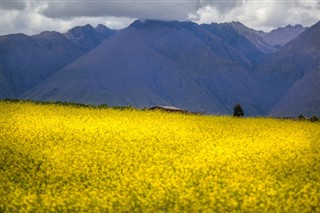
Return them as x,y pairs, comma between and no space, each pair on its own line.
207,68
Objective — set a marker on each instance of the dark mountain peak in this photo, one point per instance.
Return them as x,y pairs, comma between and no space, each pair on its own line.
104,31
282,35
289,27
298,26
252,35
50,38
157,24
14,36
240,37
236,23
48,35
86,37
144,23
88,26
229,26
79,30
101,27
239,27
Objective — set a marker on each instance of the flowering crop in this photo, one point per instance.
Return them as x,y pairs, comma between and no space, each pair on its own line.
60,158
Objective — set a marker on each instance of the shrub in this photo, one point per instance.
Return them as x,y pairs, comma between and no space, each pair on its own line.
237,111
314,119
123,107
301,117
103,106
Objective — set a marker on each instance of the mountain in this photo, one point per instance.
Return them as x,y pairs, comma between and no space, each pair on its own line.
104,32
282,35
28,60
161,63
245,48
266,42
302,98
205,68
87,37
277,74
255,37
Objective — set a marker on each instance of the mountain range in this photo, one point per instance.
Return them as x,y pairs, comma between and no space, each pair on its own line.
204,68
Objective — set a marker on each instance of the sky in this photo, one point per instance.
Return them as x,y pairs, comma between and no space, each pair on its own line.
34,16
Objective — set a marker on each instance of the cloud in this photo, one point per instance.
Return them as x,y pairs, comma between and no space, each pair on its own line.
34,16
144,9
13,5
263,15
221,6
31,21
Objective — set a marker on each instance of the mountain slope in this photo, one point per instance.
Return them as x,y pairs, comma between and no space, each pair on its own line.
158,63
302,98
292,62
230,33
208,67
87,37
282,35
28,60
255,37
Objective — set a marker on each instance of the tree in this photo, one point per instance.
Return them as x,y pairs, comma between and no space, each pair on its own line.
237,111
314,119
301,117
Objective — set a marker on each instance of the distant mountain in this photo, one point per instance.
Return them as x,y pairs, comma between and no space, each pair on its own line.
239,42
281,36
104,32
29,60
302,98
150,63
207,68
293,62
87,37
255,37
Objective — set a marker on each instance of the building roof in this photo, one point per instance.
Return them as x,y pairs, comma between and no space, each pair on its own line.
169,108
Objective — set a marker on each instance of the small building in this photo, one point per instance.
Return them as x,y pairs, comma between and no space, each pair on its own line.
169,109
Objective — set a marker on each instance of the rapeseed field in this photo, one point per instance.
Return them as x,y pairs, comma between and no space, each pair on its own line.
60,159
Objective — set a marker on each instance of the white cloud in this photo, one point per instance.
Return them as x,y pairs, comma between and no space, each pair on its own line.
264,15
30,20
34,16
144,9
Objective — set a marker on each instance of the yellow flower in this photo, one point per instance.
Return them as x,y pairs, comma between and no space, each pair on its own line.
59,158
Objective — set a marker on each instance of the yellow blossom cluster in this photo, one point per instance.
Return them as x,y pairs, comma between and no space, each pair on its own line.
61,158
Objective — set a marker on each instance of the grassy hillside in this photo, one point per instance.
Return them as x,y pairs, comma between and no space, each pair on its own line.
65,158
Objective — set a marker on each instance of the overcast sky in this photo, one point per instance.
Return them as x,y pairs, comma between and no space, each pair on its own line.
34,16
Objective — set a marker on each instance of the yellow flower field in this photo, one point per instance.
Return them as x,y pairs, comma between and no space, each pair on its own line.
60,158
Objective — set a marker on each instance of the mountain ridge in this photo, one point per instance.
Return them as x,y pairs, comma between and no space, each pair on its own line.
207,67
